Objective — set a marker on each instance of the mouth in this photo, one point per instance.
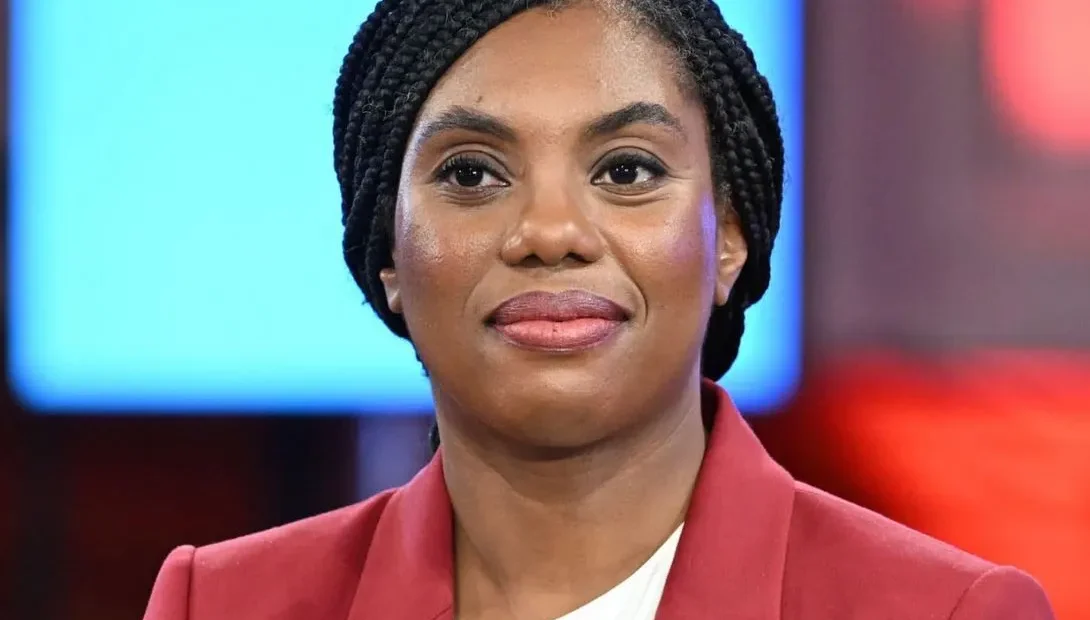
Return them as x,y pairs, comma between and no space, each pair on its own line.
563,322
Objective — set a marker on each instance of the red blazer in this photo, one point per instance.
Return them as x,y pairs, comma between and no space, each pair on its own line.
756,545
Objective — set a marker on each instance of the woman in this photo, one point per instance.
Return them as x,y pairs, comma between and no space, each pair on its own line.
567,208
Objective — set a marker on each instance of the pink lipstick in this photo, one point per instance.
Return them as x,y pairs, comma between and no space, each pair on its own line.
558,322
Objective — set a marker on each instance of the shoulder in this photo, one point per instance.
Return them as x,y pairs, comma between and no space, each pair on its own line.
853,562
338,538
310,567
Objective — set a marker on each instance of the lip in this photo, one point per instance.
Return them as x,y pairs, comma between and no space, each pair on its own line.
567,321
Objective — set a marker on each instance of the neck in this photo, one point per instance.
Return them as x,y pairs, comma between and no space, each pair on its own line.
551,534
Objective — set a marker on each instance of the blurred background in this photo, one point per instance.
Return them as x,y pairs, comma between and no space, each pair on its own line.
188,359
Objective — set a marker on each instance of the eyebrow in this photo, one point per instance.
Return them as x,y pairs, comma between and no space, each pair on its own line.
641,112
466,119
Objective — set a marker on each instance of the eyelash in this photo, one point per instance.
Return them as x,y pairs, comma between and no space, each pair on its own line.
465,160
468,160
635,160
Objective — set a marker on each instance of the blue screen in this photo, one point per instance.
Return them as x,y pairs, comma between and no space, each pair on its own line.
174,223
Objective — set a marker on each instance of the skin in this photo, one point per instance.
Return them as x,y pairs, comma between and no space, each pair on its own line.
565,471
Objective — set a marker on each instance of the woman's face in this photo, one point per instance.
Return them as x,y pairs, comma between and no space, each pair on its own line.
558,247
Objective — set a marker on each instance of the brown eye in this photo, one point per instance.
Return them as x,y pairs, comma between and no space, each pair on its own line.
469,172
624,174
629,169
468,176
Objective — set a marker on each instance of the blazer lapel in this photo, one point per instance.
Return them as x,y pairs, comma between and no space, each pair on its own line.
409,569
730,560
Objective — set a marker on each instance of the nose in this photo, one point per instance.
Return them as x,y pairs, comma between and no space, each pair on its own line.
552,227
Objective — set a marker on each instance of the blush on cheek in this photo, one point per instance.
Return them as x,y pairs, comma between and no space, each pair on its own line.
428,294
415,239
441,255
676,260
446,249
417,245
430,236
423,267
691,248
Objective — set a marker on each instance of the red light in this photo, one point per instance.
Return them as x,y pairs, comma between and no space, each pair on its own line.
1037,55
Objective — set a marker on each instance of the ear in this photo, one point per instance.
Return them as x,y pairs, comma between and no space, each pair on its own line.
393,289
731,253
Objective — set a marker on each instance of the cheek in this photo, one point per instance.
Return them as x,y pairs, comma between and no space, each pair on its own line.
438,260
674,261
418,248
694,241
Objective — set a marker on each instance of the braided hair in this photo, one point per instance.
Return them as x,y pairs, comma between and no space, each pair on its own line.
405,46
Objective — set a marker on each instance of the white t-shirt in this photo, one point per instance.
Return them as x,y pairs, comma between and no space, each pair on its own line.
638,596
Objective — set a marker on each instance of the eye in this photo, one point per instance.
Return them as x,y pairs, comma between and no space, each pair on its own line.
469,172
629,169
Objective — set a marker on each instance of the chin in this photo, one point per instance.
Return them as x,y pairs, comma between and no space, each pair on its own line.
578,386
556,436
564,408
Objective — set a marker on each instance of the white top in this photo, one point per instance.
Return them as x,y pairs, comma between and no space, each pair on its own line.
638,596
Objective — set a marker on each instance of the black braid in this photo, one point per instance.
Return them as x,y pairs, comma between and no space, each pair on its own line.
405,46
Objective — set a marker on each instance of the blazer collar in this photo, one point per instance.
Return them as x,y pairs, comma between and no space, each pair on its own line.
730,560
409,571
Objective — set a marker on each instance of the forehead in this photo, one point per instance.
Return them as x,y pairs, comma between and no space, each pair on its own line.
550,66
